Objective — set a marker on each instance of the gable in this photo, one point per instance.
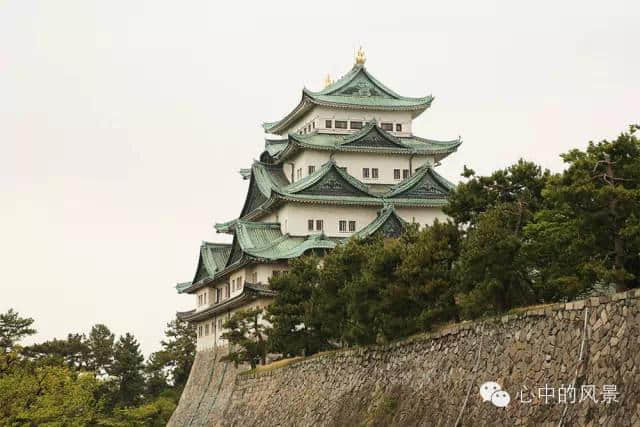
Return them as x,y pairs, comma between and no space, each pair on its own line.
361,85
392,227
425,188
373,138
332,184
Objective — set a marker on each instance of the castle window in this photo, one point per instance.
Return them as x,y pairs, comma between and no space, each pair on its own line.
205,297
386,126
342,226
226,291
312,169
255,277
398,127
365,172
405,173
374,173
396,174
352,226
218,295
233,284
313,124
199,331
220,324
310,225
319,224
239,283
206,329
355,125
341,124
327,124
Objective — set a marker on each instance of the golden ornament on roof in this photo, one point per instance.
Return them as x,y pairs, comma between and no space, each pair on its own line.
327,80
360,58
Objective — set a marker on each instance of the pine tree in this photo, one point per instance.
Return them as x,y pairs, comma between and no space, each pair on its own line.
100,344
13,328
128,364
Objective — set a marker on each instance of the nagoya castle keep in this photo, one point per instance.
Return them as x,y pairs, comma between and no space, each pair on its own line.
343,163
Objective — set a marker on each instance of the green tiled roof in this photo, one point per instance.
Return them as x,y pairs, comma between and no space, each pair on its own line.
252,242
358,90
425,183
330,184
213,258
367,139
388,221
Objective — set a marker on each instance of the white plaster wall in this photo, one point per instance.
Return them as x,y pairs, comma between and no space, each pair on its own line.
203,291
215,335
354,162
319,114
386,163
294,216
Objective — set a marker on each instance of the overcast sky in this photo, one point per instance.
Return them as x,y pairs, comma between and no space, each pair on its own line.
123,123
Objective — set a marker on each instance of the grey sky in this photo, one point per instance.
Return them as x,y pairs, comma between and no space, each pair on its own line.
123,123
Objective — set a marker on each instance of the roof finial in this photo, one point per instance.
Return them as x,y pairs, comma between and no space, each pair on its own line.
327,80
360,58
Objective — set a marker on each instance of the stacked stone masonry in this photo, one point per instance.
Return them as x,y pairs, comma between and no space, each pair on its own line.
434,379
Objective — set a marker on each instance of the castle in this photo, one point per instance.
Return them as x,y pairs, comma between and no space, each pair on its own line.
344,163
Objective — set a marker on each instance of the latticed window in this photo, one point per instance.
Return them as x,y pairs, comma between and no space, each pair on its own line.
341,124
398,127
405,173
206,329
319,225
310,225
396,174
352,226
365,172
374,173
356,125
312,169
342,226
327,124
386,126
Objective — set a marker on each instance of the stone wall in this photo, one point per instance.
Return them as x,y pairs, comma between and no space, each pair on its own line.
434,379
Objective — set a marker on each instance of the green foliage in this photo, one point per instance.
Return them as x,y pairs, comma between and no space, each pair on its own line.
492,271
44,395
13,328
72,352
178,351
424,293
290,335
82,381
100,343
246,334
589,233
127,368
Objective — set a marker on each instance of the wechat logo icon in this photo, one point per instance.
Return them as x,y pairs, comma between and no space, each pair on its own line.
493,392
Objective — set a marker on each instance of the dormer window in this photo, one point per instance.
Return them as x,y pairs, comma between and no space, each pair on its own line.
341,124
355,125
387,126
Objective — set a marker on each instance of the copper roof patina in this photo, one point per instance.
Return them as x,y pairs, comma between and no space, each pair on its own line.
358,89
